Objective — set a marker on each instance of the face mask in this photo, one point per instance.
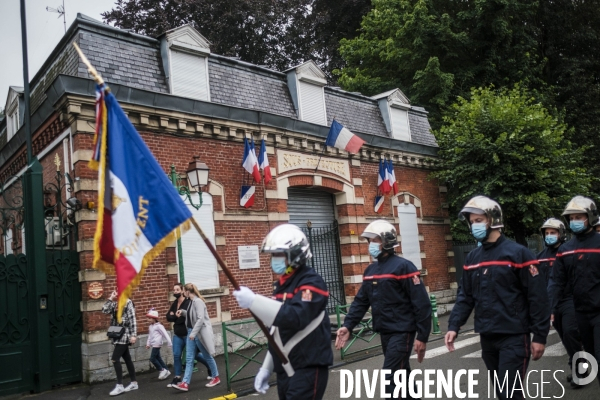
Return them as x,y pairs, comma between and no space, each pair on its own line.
374,249
278,265
479,230
551,240
177,295
577,226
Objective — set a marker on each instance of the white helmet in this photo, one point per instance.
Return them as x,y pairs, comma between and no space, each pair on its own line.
554,223
384,230
483,205
290,240
582,205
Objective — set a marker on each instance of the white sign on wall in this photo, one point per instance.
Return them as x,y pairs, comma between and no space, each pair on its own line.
248,257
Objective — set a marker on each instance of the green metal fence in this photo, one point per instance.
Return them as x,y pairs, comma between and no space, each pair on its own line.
365,333
245,350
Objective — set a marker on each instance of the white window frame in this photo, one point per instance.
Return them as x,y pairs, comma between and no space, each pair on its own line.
202,56
409,241
193,240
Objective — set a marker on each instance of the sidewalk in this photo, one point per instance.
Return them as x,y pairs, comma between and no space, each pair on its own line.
153,389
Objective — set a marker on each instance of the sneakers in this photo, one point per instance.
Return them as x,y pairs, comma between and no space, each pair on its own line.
213,382
164,374
182,386
208,378
131,386
117,390
174,382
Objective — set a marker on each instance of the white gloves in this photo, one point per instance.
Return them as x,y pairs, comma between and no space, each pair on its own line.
244,297
261,382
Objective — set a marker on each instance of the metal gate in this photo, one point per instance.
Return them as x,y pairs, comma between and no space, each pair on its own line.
313,211
40,335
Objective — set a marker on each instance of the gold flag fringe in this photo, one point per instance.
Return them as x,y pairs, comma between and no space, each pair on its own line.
148,258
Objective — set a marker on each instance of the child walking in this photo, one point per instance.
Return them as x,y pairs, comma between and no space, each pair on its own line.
155,340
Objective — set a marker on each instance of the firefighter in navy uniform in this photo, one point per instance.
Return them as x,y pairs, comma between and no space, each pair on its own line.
398,299
297,313
501,281
563,316
577,268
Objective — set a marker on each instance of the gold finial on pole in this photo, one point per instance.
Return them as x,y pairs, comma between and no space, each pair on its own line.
57,161
91,68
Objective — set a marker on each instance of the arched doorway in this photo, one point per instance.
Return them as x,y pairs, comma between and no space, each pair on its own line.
314,212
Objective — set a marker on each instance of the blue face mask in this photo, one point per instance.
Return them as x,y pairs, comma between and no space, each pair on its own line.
551,240
577,226
278,265
479,230
374,249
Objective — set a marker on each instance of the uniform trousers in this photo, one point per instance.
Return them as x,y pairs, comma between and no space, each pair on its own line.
507,357
306,384
565,323
397,348
589,329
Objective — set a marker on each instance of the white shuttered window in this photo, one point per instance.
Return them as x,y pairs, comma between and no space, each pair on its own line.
312,103
400,128
199,265
189,75
8,242
409,232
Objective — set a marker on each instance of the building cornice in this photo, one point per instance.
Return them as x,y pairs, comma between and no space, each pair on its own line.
74,99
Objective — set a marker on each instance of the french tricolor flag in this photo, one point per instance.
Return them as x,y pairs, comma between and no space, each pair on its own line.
247,196
379,204
263,162
250,163
139,210
383,182
341,138
391,176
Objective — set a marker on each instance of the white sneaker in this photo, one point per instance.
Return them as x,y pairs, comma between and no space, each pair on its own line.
117,390
208,378
131,386
164,374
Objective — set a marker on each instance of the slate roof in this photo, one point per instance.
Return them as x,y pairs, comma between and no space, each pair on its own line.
234,84
134,60
355,112
124,63
420,130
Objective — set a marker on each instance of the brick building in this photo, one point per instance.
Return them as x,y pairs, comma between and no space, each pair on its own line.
186,101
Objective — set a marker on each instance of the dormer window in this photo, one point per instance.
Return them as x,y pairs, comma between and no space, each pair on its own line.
394,106
187,62
306,83
13,111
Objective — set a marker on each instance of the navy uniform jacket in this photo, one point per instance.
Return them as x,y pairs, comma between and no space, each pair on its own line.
577,268
304,295
502,282
397,297
546,259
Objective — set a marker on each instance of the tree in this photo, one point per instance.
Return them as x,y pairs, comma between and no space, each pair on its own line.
278,34
436,50
504,144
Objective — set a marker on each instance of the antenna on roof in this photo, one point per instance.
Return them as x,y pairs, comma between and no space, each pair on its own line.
61,13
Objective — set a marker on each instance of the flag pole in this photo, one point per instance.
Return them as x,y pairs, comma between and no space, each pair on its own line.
236,286
91,68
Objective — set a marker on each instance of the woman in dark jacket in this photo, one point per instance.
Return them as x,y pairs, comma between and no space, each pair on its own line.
180,333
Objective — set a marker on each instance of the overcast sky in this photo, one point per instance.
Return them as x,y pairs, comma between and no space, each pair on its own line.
44,31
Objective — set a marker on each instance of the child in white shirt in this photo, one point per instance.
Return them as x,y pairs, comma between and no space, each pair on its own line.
155,341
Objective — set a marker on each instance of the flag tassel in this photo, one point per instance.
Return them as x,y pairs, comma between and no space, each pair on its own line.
236,286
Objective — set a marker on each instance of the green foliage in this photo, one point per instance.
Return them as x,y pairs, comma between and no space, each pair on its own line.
436,50
504,144
278,34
